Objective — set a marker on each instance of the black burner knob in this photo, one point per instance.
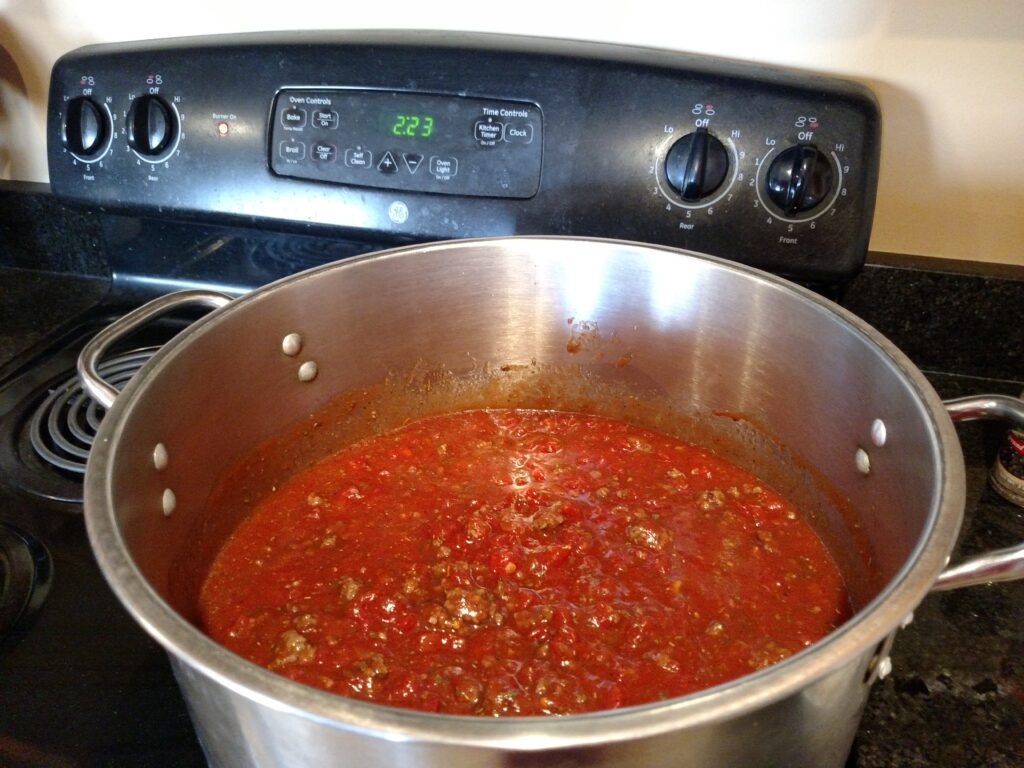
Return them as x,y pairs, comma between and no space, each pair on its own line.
799,179
86,127
696,165
151,125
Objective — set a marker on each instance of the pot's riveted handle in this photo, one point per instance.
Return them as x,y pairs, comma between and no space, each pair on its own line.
1001,564
92,353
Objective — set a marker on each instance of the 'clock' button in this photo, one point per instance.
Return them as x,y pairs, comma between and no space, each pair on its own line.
519,133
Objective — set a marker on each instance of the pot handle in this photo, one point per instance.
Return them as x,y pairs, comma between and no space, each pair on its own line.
1001,564
88,360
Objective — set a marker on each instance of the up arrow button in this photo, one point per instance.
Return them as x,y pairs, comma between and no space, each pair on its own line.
412,161
387,164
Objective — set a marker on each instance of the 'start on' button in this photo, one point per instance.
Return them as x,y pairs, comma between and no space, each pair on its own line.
325,118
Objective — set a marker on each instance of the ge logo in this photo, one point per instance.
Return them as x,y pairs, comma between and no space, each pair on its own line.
398,212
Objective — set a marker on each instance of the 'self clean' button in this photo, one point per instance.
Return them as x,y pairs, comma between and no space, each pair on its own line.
357,157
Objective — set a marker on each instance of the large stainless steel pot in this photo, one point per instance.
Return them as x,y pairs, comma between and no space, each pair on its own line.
701,334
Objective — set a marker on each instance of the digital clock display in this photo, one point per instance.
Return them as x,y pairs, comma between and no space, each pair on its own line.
421,126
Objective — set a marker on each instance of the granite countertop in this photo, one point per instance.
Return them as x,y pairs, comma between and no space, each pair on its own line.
955,696
36,305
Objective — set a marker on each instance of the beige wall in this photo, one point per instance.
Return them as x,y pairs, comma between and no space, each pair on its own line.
949,75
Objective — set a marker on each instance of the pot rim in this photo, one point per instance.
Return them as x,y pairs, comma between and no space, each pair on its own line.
857,637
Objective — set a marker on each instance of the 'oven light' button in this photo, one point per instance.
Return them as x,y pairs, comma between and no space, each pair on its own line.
294,118
443,168
292,150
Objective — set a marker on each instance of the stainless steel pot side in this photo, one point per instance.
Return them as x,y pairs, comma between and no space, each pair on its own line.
703,331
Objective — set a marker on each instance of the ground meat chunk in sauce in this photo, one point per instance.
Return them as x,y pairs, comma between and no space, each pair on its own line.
517,563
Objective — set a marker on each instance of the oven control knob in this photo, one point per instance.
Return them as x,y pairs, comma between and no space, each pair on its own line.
152,126
799,179
696,165
86,127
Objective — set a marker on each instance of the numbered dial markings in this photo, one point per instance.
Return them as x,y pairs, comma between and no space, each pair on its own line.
153,127
697,170
88,129
799,183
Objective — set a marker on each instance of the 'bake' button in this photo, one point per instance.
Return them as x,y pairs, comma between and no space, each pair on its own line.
387,164
443,168
323,152
294,118
519,133
292,150
325,118
357,157
487,132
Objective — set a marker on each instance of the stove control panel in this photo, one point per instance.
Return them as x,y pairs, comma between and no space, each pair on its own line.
408,140
398,137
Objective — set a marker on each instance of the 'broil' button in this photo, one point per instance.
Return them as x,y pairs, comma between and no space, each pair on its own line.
294,118
292,150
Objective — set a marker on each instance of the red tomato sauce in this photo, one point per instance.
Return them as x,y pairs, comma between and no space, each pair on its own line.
513,562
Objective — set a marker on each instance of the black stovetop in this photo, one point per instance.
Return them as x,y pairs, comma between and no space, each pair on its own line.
85,686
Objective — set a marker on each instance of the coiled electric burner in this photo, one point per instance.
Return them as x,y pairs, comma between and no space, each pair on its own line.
48,423
64,425
26,572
